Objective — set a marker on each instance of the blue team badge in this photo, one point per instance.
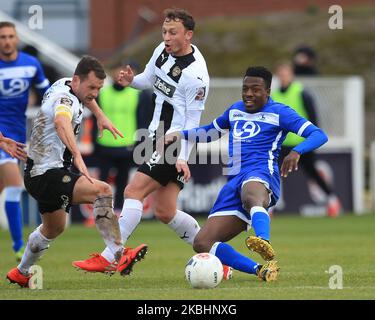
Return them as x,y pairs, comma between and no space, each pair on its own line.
248,130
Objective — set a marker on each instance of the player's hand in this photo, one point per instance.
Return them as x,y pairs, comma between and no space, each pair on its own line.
104,123
172,137
13,148
125,77
182,166
167,140
80,165
290,163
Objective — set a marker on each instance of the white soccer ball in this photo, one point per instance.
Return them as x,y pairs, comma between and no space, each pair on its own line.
204,271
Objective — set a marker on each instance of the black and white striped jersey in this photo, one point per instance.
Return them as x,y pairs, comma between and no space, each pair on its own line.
46,149
180,84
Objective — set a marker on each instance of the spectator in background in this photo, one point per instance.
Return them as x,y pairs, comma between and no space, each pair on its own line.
293,94
304,61
129,110
50,72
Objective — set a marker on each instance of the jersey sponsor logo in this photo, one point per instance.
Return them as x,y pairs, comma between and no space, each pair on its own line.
66,101
201,93
164,87
248,130
16,87
237,115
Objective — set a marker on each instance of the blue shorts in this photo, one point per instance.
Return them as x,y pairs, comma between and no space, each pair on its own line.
229,201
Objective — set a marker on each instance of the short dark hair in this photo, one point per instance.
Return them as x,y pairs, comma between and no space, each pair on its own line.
308,51
180,14
4,24
260,72
88,64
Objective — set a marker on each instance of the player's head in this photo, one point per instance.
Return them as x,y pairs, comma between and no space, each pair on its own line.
304,60
285,74
256,88
177,31
8,40
88,79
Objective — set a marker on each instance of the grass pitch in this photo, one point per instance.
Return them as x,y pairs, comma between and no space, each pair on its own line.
306,248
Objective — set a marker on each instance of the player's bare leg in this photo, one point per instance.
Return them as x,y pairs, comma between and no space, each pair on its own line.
100,194
139,187
53,224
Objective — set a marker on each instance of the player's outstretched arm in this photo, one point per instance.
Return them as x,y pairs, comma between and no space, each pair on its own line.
13,148
65,132
102,120
125,77
315,137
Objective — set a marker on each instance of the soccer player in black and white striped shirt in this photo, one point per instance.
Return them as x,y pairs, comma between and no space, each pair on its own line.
178,74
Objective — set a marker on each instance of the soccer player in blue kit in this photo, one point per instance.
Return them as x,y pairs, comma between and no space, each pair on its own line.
18,71
257,126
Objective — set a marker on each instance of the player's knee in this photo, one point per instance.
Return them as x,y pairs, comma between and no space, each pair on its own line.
131,192
164,215
53,231
202,244
249,201
164,212
103,190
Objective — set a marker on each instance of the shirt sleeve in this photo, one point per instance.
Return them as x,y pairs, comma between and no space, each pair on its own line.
196,93
146,79
291,121
193,118
315,137
64,106
208,132
222,123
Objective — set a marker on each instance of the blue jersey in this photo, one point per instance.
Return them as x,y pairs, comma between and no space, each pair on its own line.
254,145
16,78
255,138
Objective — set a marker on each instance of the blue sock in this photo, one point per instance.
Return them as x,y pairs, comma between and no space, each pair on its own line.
260,221
230,257
13,211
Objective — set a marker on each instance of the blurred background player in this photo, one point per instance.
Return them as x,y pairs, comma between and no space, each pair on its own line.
48,176
305,61
293,94
257,126
127,108
50,72
18,72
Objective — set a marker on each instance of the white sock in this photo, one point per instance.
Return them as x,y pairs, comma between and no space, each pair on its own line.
185,226
35,248
130,217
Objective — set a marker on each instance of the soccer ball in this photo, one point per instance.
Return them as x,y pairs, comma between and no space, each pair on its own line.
204,271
